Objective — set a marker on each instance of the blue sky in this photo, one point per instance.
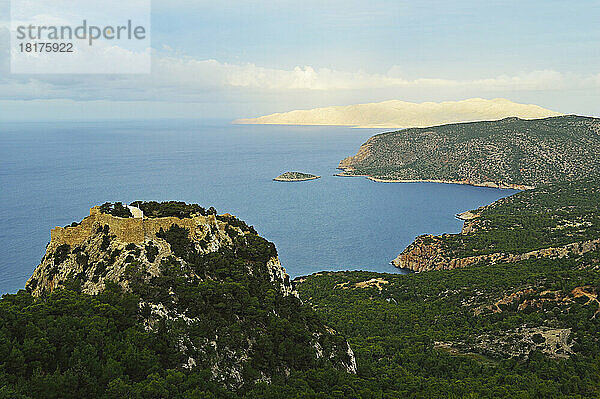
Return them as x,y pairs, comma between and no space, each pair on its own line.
245,58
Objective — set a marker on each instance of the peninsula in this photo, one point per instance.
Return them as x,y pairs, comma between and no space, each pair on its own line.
295,176
508,153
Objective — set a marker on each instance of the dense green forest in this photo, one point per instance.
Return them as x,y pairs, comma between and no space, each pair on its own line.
508,151
548,216
71,345
527,329
484,331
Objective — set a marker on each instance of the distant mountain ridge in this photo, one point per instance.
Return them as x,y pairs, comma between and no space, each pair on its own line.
396,114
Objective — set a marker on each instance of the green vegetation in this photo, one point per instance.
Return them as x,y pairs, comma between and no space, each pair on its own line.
524,329
72,345
153,209
509,151
200,324
177,209
116,209
547,216
440,334
481,331
295,176
232,221
61,253
206,324
559,220
151,251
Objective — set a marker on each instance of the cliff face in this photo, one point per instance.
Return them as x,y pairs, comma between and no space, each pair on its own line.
211,281
426,253
364,152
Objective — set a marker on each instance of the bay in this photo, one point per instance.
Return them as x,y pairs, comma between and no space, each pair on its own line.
52,173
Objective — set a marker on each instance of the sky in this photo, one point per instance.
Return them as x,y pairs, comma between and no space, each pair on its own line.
235,59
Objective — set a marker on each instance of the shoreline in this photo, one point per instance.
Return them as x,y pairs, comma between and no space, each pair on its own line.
521,187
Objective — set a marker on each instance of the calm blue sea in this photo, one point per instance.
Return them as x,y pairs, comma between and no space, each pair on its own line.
52,173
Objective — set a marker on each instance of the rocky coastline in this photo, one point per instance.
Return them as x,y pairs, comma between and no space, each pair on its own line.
464,182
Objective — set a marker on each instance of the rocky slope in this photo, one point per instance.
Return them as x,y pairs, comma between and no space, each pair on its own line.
510,153
210,280
426,254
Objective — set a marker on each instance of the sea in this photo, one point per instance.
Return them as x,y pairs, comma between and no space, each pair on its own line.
52,173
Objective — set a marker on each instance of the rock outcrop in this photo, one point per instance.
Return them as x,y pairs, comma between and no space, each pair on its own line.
101,246
217,286
554,221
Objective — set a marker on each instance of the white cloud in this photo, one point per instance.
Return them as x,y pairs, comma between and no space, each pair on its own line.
188,79
197,73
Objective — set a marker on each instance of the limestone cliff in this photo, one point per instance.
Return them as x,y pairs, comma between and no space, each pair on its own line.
426,253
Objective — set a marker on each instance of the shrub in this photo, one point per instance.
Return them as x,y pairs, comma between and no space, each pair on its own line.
172,209
61,254
151,251
116,209
82,259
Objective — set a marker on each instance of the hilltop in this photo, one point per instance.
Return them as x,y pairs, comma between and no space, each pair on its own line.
168,295
396,114
512,153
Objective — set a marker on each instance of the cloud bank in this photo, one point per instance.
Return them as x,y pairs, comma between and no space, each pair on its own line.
188,80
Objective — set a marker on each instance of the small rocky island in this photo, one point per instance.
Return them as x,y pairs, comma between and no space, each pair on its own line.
295,176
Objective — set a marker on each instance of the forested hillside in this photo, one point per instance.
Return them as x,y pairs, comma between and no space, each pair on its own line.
510,152
527,329
188,306
507,308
